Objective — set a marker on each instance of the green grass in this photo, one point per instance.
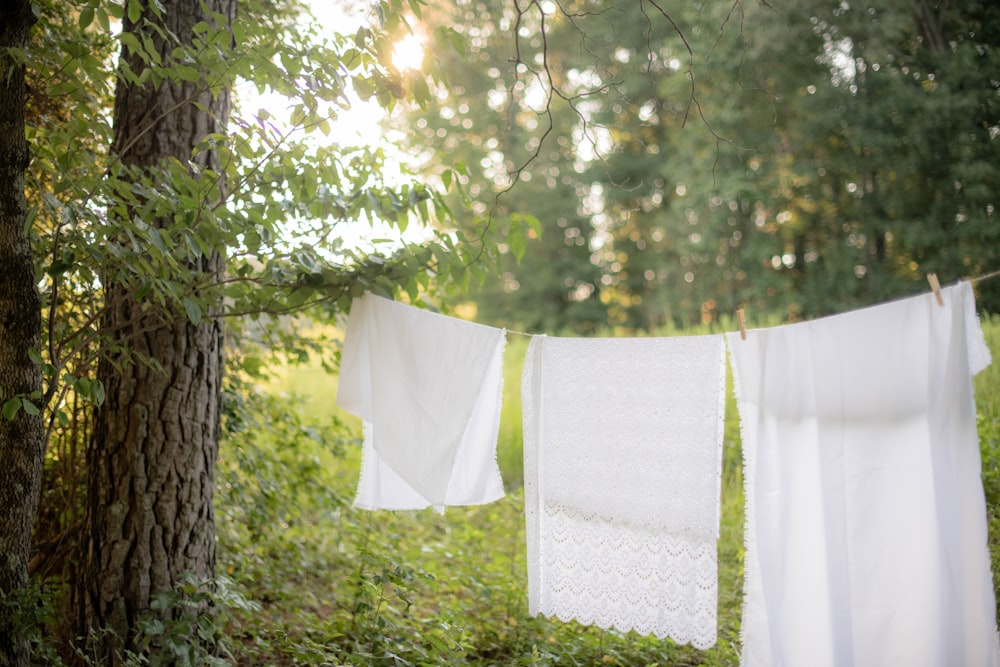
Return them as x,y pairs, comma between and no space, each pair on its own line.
987,387
342,586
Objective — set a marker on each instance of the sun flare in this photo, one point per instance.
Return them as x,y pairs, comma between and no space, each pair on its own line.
408,52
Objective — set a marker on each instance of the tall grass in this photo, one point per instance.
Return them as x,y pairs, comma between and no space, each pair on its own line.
342,586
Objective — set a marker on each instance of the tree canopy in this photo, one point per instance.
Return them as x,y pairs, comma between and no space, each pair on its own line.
802,158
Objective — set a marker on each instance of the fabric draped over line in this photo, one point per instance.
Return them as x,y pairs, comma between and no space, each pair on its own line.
866,538
428,388
622,463
866,525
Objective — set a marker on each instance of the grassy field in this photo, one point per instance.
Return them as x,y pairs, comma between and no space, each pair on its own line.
331,585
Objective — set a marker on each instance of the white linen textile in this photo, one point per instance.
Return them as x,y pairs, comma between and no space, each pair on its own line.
622,456
428,388
866,524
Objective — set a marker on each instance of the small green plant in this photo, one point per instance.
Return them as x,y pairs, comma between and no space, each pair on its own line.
384,591
30,611
185,627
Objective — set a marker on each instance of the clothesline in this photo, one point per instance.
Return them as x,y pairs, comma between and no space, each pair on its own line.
987,276
974,280
865,528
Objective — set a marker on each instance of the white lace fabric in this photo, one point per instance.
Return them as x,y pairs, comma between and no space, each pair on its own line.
622,453
428,388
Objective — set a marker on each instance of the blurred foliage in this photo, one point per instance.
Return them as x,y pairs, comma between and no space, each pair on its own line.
800,159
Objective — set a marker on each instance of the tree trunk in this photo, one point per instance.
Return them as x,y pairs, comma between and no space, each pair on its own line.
21,438
151,460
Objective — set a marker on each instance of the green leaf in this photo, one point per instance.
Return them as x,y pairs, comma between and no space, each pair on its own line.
419,89
156,239
86,17
10,408
187,73
98,393
103,20
29,407
134,10
534,223
253,365
193,310
131,42
517,241
364,88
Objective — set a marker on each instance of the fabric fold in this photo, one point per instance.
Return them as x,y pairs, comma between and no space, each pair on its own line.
622,455
866,522
428,388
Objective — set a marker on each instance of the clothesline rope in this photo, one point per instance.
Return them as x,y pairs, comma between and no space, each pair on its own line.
977,279
987,276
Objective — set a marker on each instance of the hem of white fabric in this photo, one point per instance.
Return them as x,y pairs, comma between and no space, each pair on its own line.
418,508
979,352
499,413
700,643
529,456
363,468
720,436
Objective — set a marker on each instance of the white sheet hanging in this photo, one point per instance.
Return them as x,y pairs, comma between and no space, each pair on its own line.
428,388
622,455
866,522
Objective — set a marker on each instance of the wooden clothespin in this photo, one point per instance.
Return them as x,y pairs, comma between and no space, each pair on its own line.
741,318
936,286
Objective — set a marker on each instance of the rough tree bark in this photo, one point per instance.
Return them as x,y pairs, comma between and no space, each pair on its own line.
21,438
151,460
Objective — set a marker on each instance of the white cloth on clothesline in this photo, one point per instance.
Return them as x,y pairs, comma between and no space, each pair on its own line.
428,388
866,534
622,457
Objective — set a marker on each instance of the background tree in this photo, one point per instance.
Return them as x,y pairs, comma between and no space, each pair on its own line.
518,146
21,433
600,127
802,160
